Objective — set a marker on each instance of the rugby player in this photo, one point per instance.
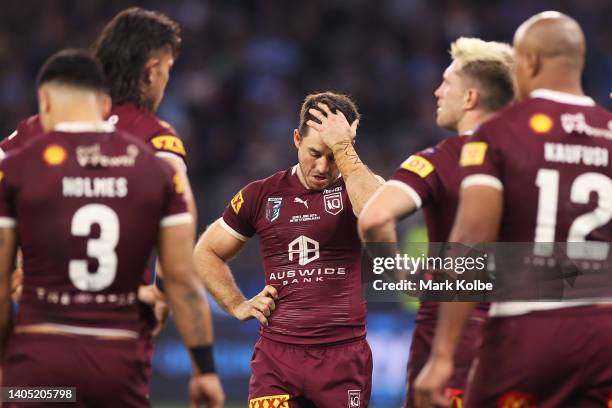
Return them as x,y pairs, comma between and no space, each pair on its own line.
476,85
87,204
312,350
137,49
520,184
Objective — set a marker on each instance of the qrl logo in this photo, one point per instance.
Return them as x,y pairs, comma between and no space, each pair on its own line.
354,398
333,203
307,249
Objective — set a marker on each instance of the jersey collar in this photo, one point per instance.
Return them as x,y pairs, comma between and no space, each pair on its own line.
562,97
83,127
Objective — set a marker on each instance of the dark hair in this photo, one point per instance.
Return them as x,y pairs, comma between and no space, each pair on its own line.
495,82
334,101
125,45
72,67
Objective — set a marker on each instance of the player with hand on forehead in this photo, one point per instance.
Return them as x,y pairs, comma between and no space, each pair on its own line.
311,310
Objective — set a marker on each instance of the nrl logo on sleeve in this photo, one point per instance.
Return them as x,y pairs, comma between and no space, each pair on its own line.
333,203
418,165
473,154
237,202
354,399
273,207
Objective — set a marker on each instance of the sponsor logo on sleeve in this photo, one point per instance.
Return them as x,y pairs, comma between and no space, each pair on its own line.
272,401
333,203
169,143
473,154
354,398
237,202
418,165
54,155
273,208
541,123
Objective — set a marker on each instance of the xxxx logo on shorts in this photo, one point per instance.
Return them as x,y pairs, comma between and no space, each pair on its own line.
515,399
273,401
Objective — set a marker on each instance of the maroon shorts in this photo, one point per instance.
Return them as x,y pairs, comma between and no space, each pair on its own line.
553,358
289,376
106,373
422,339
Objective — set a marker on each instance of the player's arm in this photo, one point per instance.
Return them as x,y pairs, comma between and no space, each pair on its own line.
336,133
192,316
477,221
387,204
212,252
8,250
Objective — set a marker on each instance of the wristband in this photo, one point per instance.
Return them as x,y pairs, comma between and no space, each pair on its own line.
203,357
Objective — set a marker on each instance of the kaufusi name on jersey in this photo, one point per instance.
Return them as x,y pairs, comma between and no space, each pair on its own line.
110,187
576,154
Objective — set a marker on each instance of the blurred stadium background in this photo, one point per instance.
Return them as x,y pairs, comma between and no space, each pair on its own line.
235,93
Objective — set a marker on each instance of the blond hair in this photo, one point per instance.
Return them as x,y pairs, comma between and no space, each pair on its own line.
489,65
468,50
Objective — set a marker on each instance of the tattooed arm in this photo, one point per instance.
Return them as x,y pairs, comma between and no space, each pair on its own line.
336,133
8,249
191,311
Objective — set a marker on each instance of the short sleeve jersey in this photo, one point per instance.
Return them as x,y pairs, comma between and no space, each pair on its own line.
311,252
550,155
88,205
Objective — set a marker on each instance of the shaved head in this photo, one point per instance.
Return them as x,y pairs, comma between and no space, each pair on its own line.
552,34
550,49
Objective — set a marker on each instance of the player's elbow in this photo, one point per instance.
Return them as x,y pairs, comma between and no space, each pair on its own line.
372,220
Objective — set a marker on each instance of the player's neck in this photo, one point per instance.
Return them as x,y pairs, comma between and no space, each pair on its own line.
301,177
560,81
471,120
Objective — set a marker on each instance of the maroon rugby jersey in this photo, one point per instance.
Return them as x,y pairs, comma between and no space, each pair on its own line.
127,117
550,155
88,202
311,254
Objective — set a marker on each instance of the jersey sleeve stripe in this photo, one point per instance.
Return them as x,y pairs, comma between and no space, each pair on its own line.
7,222
408,190
231,231
176,219
482,180
178,159
2,154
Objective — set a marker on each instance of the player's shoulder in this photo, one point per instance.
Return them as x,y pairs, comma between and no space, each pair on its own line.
426,161
274,182
148,127
25,131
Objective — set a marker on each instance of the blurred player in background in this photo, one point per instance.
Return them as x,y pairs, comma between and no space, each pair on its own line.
312,350
137,49
523,182
87,204
476,85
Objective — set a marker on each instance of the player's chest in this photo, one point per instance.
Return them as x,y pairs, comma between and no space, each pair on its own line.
321,215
